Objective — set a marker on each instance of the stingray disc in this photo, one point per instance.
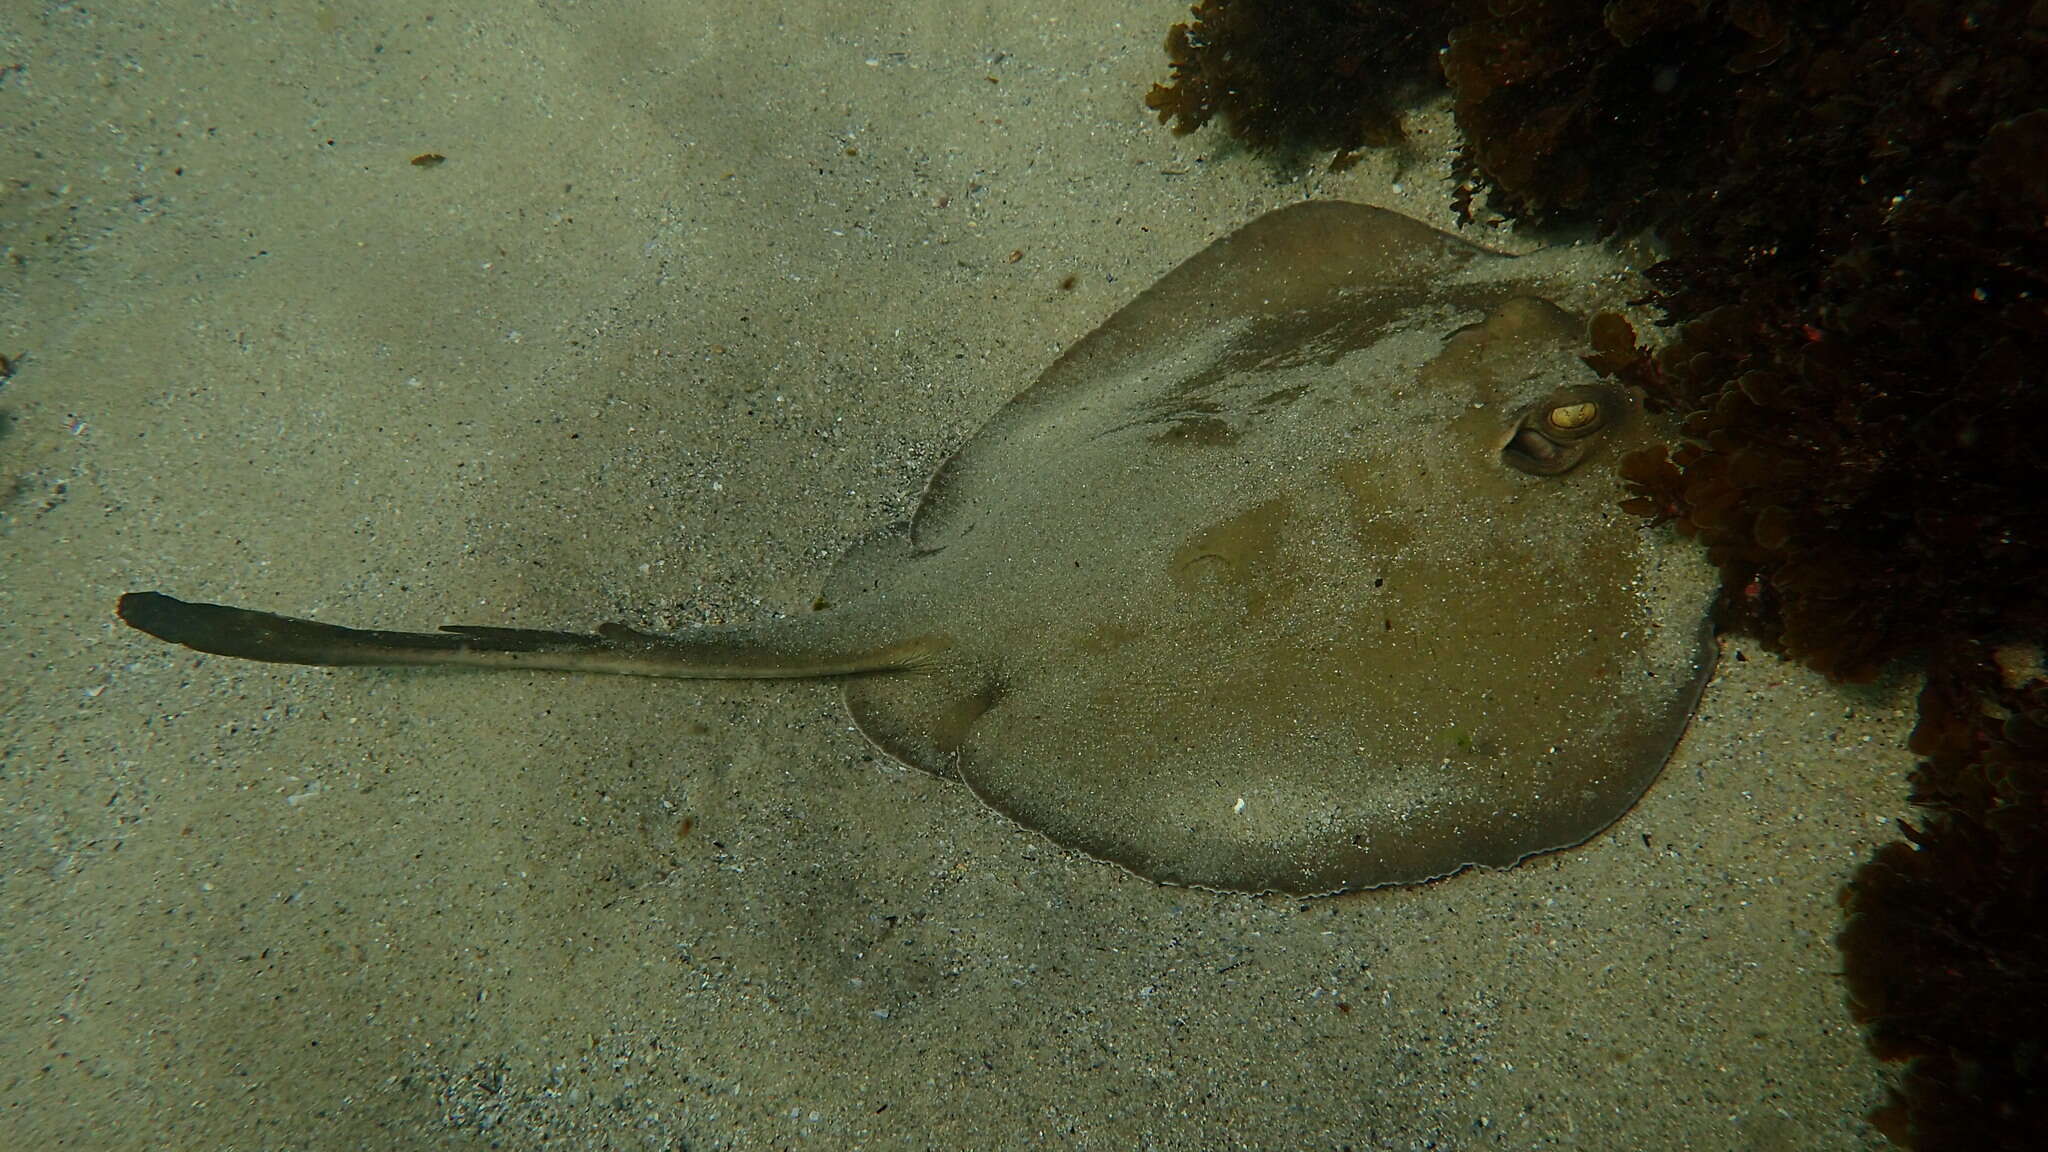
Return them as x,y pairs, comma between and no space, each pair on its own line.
1303,572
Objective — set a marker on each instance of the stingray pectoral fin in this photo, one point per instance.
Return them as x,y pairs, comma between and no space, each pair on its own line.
808,646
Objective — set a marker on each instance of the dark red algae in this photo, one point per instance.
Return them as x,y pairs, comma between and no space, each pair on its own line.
1853,198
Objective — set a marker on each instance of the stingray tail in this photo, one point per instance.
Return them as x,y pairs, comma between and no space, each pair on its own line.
822,644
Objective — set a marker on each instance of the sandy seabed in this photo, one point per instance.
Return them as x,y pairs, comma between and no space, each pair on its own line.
701,293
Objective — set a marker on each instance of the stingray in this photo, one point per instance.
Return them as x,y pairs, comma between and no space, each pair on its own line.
1297,574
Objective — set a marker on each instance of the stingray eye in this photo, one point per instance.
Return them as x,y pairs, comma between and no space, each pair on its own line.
1553,435
1573,417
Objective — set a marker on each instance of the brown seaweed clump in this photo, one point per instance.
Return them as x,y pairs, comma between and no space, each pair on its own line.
1866,493
1861,334
1318,74
1854,198
1946,948
1583,105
